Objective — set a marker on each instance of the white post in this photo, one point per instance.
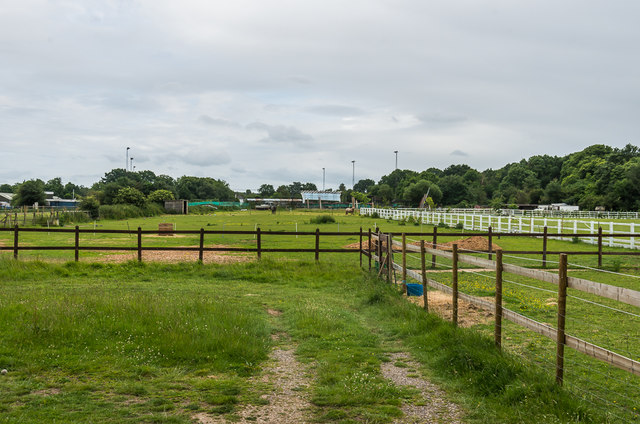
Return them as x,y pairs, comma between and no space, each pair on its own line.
593,229
499,224
632,240
509,225
611,232
559,226
575,226
520,225
531,225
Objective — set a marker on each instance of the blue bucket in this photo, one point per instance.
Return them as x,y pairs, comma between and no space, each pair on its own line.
414,290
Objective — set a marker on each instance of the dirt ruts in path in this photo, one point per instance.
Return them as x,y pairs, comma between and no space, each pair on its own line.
431,406
288,402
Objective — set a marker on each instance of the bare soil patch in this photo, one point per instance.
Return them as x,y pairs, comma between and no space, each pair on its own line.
470,243
288,402
47,392
441,304
177,256
431,406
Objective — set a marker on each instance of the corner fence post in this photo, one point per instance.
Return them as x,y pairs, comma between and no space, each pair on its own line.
544,247
390,258
498,301
360,247
259,242
562,310
454,284
139,244
423,266
15,241
317,244
201,251
369,248
599,247
404,262
434,245
77,244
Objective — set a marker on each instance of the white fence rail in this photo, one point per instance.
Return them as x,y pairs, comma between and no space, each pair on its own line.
519,224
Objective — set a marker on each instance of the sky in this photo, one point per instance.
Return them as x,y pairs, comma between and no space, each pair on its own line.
255,91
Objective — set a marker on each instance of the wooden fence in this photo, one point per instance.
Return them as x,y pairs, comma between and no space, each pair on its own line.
139,248
384,246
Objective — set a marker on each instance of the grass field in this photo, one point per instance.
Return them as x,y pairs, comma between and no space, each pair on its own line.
155,342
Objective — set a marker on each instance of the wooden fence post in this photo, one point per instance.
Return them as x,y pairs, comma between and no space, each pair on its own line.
490,242
369,247
404,262
434,245
15,241
423,263
498,301
544,247
201,251
562,309
139,244
379,252
599,247
390,258
77,246
454,284
317,244
259,242
360,247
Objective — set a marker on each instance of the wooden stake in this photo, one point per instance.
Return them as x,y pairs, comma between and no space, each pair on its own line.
390,258
498,305
77,246
490,242
599,247
201,251
139,244
544,247
259,242
317,244
423,263
404,262
360,246
15,241
369,250
454,285
434,245
562,311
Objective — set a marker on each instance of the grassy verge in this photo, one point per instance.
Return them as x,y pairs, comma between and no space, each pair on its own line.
159,343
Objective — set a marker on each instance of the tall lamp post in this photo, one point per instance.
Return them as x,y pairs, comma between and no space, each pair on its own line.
126,162
131,164
396,152
322,179
353,176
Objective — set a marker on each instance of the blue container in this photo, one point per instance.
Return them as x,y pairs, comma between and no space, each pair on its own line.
414,290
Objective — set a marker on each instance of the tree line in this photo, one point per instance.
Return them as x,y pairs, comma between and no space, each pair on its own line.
599,175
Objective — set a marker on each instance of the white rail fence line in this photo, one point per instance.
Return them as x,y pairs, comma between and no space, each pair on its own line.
521,224
545,213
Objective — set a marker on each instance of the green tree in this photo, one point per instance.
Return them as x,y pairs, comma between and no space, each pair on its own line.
6,188
414,193
266,190
160,196
364,186
55,185
29,193
131,196
91,205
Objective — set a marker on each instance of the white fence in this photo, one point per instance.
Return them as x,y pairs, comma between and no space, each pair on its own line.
519,224
542,213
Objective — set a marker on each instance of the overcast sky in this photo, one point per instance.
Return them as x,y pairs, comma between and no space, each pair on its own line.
261,91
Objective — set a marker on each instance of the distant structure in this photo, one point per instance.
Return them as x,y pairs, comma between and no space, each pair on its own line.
320,196
180,207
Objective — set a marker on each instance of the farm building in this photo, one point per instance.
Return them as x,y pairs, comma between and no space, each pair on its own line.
320,197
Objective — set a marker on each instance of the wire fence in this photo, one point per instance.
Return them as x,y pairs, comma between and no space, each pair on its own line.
576,326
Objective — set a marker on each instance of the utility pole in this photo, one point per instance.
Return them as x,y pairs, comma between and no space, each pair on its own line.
126,162
322,179
131,164
396,152
353,176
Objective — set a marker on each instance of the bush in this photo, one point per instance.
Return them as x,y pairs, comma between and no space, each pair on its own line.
129,211
375,215
459,226
130,196
160,196
322,219
442,225
91,205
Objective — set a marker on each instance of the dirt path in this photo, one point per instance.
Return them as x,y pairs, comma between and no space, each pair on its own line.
431,405
288,402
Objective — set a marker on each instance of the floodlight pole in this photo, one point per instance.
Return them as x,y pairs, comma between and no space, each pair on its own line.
126,162
353,176
322,179
131,164
396,152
